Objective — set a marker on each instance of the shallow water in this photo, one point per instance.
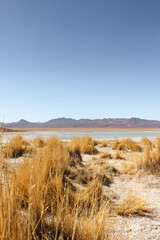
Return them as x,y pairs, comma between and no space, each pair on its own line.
96,134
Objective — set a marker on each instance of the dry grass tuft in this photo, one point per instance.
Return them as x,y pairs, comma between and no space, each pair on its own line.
146,142
84,145
105,143
118,145
132,145
117,155
92,197
130,169
150,160
39,142
104,168
126,144
133,205
105,155
17,147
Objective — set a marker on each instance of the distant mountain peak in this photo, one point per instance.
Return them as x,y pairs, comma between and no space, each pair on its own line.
22,121
134,118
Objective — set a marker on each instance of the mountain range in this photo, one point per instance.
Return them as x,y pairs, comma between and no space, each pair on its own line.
87,123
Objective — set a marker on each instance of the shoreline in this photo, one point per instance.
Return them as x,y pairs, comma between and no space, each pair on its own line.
82,129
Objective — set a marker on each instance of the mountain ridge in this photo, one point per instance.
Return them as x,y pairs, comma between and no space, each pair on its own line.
87,123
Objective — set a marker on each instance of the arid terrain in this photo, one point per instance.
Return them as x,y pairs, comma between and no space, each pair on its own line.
80,189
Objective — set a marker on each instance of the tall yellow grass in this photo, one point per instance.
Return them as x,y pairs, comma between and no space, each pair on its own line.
150,160
39,200
105,143
117,155
126,144
146,142
39,142
54,195
17,147
85,145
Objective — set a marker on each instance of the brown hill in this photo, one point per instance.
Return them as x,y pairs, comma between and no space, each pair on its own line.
88,123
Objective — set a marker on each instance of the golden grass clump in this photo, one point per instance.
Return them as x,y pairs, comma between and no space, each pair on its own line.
75,144
133,205
118,145
104,155
117,155
105,143
39,142
17,147
84,145
86,228
12,223
92,197
126,144
146,142
130,169
150,160
88,145
44,175
132,145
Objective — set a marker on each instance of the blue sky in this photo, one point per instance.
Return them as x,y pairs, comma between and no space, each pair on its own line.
79,59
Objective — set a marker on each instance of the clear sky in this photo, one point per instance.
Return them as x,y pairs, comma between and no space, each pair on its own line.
79,59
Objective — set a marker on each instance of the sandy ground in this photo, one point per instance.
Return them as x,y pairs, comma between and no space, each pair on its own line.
148,188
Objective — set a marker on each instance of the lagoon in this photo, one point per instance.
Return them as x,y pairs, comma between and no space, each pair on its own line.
68,134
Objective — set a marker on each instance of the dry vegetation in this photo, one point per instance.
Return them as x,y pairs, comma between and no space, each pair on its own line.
17,147
126,144
39,142
133,205
117,155
39,199
105,143
53,194
105,155
150,160
146,142
84,145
